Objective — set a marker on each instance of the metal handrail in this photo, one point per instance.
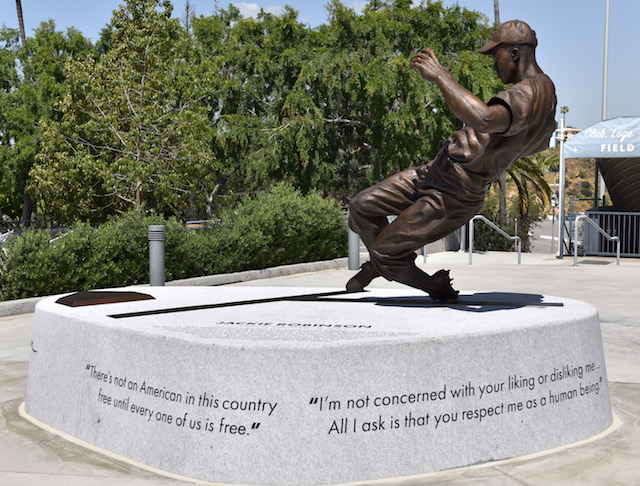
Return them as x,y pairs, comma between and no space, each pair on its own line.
600,230
499,230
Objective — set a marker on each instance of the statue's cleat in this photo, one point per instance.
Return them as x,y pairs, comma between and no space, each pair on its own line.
363,278
442,290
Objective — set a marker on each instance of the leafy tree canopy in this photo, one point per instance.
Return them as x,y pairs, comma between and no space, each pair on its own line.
31,80
181,121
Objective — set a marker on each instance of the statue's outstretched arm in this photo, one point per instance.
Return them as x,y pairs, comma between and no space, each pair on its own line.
467,107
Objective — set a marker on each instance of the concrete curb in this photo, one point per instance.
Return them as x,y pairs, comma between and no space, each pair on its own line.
26,306
228,278
20,306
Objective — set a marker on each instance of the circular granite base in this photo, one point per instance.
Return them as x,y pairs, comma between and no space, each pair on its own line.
293,386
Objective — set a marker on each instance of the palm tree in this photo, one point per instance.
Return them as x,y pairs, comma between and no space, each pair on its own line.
28,203
502,180
528,173
23,36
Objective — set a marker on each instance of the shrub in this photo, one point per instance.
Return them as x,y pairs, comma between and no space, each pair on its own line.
487,239
29,265
586,189
277,227
282,226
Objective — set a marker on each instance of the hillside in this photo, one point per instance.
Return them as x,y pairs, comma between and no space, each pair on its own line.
580,183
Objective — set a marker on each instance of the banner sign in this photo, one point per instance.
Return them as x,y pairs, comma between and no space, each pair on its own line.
614,138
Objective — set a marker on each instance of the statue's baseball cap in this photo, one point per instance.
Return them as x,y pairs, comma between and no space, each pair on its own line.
514,32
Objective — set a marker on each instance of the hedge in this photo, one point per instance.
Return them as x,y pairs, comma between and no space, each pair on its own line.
274,228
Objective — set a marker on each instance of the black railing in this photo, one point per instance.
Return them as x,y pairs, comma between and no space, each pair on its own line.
624,225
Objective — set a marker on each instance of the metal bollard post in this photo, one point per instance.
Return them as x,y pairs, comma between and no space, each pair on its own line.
470,246
354,250
156,255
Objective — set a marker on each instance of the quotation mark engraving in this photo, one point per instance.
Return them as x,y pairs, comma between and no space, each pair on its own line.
255,426
321,402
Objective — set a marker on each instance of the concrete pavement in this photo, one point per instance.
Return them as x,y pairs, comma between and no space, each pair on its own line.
32,456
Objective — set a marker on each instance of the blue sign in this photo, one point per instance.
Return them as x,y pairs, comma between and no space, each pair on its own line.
614,138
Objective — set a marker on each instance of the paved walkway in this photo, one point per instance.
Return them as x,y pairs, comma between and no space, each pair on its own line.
31,456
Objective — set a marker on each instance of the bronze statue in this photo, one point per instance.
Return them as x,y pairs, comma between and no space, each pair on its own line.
436,199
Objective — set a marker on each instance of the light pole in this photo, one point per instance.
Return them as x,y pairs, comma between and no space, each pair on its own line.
605,83
561,138
605,69
554,205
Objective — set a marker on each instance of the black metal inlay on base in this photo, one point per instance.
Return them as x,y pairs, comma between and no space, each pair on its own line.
332,297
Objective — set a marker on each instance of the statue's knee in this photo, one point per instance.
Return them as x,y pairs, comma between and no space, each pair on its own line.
358,202
353,214
359,207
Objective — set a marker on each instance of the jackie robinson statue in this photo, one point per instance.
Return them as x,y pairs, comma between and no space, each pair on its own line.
435,199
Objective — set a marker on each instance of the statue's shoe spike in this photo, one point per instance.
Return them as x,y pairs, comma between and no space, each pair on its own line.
442,289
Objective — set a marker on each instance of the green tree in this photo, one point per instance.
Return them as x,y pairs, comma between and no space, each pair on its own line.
255,64
356,113
32,78
335,108
9,79
178,121
133,128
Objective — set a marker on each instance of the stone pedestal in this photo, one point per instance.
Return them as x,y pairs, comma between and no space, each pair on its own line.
245,385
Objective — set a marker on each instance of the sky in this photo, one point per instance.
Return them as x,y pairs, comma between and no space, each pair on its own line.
570,40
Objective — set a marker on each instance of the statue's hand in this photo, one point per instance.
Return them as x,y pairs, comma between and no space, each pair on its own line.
427,64
465,144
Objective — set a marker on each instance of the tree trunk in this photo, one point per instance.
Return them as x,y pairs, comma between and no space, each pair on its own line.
27,209
222,181
189,14
23,36
502,199
138,180
496,11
